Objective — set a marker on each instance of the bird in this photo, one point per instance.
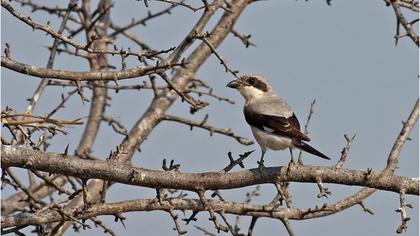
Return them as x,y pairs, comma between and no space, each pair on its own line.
273,123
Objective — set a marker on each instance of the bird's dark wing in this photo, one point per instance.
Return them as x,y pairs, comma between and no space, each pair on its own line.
279,125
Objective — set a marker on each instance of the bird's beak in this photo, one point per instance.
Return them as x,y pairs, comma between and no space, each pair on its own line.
233,84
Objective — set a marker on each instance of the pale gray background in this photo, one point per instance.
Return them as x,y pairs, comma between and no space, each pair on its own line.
343,55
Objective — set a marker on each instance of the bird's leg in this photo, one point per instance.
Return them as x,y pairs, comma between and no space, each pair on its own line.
291,155
261,162
292,161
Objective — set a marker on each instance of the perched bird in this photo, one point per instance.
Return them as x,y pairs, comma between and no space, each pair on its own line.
272,121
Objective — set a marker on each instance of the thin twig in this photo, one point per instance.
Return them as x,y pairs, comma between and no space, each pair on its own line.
345,151
203,37
203,124
306,132
210,209
323,191
403,211
365,208
244,38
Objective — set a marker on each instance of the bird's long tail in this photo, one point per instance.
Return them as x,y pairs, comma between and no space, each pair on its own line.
308,148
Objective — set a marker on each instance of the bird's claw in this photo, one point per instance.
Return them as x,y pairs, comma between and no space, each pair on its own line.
292,164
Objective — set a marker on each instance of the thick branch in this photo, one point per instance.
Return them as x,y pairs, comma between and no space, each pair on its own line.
109,170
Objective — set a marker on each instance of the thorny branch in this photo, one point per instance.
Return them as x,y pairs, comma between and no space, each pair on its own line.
53,52
345,151
10,120
236,162
139,87
325,210
85,75
84,198
203,124
305,130
402,20
14,156
203,37
403,211
68,41
244,38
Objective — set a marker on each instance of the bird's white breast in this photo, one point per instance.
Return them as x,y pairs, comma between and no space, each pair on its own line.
272,141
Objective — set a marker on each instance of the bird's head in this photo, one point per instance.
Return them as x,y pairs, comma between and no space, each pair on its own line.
252,87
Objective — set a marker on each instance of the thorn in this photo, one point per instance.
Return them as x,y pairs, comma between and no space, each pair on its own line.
66,151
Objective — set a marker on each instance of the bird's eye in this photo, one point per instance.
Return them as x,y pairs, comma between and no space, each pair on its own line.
251,80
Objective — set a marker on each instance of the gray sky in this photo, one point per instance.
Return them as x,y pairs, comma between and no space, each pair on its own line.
341,55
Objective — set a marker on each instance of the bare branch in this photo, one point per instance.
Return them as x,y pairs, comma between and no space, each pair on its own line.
203,124
40,89
323,191
244,38
236,162
403,211
82,168
408,125
306,132
199,26
85,179
85,75
287,226
143,21
345,151
203,37
403,21
365,208
252,225
208,206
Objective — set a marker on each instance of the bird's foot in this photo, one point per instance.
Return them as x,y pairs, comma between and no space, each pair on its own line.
300,161
261,166
292,164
